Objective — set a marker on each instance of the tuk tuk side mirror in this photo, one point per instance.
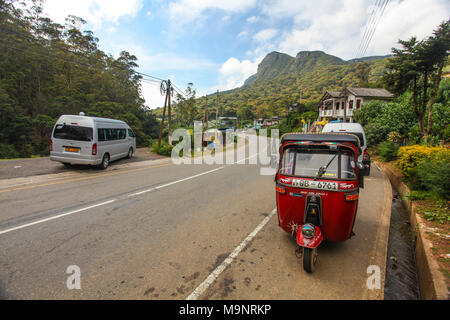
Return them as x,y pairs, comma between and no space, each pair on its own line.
361,175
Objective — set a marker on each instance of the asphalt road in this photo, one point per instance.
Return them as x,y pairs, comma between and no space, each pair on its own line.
154,230
16,168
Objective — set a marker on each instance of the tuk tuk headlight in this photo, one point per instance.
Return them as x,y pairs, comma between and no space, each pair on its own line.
308,230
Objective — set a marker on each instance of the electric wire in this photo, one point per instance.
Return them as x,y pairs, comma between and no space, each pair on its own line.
376,26
368,26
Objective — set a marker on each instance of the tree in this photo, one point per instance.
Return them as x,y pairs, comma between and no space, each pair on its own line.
414,66
186,107
362,73
245,113
436,49
47,69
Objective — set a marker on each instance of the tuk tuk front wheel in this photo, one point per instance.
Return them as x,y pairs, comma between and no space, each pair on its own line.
309,259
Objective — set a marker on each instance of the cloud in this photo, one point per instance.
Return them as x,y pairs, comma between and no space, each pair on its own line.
265,35
337,26
171,62
234,72
242,34
185,11
252,19
152,95
93,11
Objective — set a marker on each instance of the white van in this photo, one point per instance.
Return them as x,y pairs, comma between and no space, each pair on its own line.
356,129
90,140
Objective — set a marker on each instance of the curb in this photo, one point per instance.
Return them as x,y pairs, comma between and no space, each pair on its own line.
381,241
431,281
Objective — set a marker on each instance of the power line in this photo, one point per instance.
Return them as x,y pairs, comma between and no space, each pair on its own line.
373,27
368,26
81,64
384,4
369,21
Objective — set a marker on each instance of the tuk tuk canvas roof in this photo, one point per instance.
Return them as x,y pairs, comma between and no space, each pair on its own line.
322,137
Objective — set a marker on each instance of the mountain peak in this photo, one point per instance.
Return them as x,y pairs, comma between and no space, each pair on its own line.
276,63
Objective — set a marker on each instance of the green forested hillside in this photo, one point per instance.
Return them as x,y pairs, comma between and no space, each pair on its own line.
282,80
48,69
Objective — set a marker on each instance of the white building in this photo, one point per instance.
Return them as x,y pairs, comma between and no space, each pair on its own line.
340,106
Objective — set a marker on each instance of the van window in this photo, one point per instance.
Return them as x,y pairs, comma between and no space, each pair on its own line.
131,133
106,134
68,132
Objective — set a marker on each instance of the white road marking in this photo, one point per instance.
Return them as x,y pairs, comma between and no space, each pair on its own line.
112,200
56,217
215,274
181,180
106,202
174,182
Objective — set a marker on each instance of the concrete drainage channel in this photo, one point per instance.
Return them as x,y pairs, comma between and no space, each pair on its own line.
401,273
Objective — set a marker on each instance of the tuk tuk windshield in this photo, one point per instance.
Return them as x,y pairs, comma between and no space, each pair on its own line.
307,162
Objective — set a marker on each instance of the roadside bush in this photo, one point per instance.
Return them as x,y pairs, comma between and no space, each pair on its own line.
7,151
165,149
394,137
410,157
380,118
433,175
388,150
414,136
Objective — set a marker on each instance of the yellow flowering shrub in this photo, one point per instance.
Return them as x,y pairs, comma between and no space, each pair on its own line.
410,157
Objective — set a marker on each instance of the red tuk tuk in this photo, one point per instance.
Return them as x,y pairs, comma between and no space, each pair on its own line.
317,189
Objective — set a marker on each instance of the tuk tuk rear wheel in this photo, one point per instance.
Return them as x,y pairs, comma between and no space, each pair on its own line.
309,259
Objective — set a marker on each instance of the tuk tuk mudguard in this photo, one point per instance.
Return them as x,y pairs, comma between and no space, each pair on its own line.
311,243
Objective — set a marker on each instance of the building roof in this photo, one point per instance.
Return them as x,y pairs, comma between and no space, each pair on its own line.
334,94
370,92
330,94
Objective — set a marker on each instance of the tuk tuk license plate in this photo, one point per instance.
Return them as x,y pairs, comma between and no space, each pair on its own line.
318,185
72,149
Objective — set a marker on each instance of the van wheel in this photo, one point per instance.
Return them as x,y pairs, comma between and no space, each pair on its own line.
105,162
130,153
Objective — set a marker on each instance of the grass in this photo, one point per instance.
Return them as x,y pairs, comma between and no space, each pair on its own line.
436,214
35,156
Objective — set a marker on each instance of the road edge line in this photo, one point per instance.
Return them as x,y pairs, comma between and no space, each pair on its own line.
55,217
382,236
215,274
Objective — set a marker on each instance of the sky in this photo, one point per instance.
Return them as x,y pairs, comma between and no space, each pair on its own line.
217,44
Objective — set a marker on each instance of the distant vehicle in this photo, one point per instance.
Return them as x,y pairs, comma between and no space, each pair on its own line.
356,129
90,140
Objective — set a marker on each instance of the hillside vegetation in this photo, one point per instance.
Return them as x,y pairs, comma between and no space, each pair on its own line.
48,69
282,80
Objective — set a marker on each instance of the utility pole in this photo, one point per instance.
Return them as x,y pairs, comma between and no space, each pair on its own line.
162,123
217,111
206,112
169,93
166,88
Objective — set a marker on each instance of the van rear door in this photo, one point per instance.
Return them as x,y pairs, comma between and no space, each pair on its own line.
73,139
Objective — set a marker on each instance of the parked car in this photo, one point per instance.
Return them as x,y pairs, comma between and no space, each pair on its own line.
90,140
356,129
